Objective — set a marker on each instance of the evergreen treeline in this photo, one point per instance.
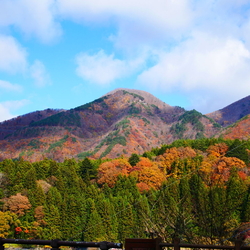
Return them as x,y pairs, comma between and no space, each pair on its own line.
198,190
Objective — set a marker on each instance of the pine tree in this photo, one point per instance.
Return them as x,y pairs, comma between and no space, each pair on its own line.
216,213
94,230
87,170
53,220
54,197
126,220
73,220
245,209
200,206
29,179
238,149
184,222
36,197
108,218
235,194
42,168
142,215
134,159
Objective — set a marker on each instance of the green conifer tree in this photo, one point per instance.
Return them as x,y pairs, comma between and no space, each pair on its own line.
134,159
126,220
200,203
87,170
108,218
142,215
54,197
236,191
53,226
238,149
245,209
216,215
36,197
94,230
29,179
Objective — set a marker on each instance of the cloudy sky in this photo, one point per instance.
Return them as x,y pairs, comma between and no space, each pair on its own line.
62,54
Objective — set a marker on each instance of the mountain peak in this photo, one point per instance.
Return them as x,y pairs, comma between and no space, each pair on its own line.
147,97
122,122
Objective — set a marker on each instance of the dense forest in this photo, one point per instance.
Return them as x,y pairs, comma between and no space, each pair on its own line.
198,190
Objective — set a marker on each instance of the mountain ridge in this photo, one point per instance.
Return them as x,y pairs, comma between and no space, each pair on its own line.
232,113
121,122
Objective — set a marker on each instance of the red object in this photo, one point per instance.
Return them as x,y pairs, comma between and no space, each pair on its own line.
18,230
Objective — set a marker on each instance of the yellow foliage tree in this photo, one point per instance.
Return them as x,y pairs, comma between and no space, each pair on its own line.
7,220
172,154
4,225
147,172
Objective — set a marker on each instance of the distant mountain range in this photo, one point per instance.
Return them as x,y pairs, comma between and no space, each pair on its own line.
122,122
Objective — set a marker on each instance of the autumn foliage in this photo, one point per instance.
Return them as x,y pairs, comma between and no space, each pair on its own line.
110,170
17,204
198,189
148,174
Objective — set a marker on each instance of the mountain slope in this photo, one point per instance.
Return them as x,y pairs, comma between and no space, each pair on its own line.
232,113
120,123
10,126
238,130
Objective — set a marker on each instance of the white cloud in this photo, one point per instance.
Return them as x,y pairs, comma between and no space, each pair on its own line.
159,23
39,74
203,66
137,21
103,69
4,113
4,85
160,12
212,63
13,59
31,17
14,105
13,56
6,108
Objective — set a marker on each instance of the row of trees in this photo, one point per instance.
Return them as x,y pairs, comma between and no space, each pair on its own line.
197,190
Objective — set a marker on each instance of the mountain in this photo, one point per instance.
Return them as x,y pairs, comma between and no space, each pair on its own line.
231,113
12,125
122,122
237,130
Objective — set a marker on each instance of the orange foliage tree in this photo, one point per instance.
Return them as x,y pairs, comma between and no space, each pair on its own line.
217,150
215,169
109,171
148,174
223,165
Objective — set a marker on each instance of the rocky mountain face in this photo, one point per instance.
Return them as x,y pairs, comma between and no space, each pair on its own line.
123,122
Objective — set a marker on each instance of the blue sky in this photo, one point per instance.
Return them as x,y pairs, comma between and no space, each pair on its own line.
62,54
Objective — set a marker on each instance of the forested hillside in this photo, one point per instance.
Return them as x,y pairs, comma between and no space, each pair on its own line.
120,123
198,190
238,130
232,113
